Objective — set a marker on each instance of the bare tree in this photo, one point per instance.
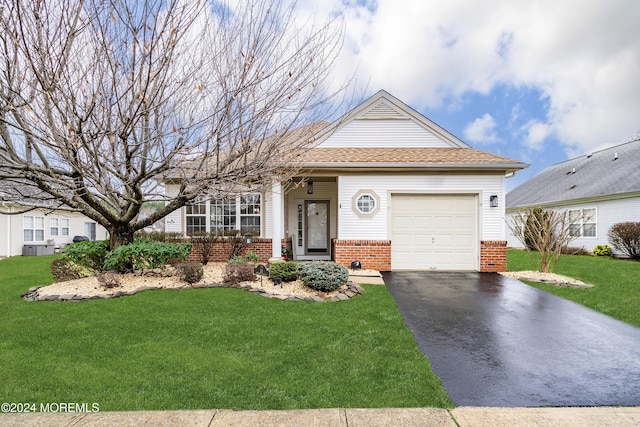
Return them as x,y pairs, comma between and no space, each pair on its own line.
102,100
547,231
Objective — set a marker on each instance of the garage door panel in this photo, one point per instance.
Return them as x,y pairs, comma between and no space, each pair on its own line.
434,232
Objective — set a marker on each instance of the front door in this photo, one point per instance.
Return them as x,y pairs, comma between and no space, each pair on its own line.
317,227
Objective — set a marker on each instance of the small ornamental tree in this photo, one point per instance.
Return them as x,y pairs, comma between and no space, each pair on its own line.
547,231
625,237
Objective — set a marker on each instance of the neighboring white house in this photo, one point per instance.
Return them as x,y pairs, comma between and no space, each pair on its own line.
383,185
39,231
599,189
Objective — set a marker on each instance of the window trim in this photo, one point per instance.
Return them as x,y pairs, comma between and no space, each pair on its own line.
237,200
581,223
374,197
33,229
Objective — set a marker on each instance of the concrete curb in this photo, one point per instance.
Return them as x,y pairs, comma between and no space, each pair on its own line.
391,417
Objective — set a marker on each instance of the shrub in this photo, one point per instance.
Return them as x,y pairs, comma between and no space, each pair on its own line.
64,270
237,259
625,237
602,250
160,236
109,279
189,272
323,276
204,242
236,273
145,254
572,250
89,254
252,257
285,271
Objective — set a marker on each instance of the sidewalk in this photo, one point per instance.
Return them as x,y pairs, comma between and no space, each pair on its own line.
393,417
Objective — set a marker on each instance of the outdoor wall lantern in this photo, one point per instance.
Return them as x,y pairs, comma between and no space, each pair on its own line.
247,238
493,200
310,187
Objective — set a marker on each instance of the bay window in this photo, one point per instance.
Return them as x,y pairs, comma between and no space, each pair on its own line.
227,216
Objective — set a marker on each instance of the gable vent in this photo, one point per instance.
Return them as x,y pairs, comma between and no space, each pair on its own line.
383,111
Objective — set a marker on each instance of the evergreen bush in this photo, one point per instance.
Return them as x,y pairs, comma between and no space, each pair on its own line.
285,271
602,250
323,276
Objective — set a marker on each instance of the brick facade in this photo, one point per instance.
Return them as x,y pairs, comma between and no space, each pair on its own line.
372,254
220,251
493,256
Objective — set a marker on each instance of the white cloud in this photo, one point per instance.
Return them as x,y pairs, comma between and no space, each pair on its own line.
482,130
536,134
584,57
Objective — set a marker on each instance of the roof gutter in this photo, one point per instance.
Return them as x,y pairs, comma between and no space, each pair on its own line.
510,167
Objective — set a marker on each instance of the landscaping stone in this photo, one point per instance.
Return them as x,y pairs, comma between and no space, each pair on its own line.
317,298
341,297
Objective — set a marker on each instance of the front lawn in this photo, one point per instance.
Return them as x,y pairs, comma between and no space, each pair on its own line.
207,348
616,290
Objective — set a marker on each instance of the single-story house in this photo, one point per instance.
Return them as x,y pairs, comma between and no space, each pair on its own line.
598,190
39,231
383,185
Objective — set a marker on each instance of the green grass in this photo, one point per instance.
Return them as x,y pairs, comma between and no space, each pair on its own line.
207,348
616,290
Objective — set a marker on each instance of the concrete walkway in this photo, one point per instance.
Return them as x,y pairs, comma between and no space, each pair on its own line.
458,417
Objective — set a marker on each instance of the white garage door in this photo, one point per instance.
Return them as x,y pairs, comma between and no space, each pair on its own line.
434,232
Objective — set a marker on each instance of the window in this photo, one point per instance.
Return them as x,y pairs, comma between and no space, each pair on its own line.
58,226
53,227
365,203
250,213
64,224
241,214
196,217
583,222
33,228
223,215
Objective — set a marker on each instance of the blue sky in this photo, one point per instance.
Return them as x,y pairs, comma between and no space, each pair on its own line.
538,81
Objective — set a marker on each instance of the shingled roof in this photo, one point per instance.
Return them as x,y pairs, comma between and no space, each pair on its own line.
407,157
611,172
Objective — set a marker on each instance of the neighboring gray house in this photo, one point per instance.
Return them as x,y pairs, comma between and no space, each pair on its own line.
599,189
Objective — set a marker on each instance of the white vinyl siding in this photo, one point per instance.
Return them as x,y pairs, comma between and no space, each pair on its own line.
352,226
383,134
608,213
173,221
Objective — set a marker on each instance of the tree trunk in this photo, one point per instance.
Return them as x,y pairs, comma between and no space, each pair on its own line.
119,236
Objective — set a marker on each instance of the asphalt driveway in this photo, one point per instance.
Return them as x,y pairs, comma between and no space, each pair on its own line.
495,341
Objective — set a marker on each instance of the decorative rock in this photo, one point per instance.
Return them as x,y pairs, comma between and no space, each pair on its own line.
355,288
316,298
341,297
350,293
